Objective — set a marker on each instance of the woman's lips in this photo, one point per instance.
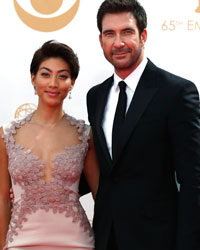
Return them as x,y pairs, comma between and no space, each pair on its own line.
52,93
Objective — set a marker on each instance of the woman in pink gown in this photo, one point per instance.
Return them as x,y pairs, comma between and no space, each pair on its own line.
42,157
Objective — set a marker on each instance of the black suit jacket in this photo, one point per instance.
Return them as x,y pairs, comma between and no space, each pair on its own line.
160,140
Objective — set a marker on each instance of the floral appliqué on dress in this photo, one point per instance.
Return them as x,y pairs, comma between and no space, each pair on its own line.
27,170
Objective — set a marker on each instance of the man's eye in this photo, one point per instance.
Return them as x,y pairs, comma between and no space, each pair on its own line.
109,34
128,32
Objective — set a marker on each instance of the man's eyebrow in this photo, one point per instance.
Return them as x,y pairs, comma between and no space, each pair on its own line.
125,29
107,31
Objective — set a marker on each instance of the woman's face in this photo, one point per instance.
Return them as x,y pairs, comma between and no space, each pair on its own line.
53,81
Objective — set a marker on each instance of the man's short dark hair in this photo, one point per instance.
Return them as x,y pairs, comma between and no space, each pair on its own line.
118,6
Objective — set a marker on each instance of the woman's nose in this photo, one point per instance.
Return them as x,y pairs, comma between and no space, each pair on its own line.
53,82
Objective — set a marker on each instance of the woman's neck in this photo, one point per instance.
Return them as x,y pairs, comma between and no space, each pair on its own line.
48,117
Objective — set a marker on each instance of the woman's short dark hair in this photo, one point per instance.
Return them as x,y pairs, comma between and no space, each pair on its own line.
118,6
56,50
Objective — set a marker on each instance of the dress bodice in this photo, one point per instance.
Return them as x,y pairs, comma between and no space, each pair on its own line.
29,186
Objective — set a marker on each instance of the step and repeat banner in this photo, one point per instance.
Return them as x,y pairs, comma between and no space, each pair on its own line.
173,43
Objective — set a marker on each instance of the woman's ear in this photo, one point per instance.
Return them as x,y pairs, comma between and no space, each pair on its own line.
33,79
72,83
33,83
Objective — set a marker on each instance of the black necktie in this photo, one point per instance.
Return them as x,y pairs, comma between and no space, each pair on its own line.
119,115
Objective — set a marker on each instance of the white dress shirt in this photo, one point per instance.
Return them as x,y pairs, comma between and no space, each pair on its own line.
109,112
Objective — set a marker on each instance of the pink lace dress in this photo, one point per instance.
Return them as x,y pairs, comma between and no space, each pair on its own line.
47,216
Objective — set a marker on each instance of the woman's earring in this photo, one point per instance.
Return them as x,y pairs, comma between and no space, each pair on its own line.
35,91
70,95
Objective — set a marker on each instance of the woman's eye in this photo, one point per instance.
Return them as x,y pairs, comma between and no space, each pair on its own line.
64,77
44,74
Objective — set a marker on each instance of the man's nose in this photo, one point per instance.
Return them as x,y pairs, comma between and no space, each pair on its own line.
118,43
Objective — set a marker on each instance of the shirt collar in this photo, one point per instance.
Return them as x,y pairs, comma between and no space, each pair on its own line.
133,78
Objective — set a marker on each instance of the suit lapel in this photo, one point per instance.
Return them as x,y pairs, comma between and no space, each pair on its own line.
143,95
99,115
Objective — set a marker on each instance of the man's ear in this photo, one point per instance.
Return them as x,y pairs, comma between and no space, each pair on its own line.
143,37
100,40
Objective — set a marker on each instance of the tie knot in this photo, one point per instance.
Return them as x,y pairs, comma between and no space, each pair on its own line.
122,86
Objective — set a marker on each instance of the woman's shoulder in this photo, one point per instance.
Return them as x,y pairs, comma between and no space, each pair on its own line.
79,123
6,126
74,120
5,131
2,142
1,131
12,125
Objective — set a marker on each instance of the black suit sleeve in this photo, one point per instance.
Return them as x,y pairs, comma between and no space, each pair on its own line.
90,105
184,127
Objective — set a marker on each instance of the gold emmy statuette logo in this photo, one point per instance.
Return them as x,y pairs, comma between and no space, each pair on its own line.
24,110
198,8
46,7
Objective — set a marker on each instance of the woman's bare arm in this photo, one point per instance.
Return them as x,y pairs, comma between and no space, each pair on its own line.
5,184
91,167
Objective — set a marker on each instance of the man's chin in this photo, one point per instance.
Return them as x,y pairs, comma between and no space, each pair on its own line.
121,65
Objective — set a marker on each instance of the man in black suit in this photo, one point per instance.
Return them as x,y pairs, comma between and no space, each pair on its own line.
138,205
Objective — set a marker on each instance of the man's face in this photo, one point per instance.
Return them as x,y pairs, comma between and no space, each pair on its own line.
121,43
